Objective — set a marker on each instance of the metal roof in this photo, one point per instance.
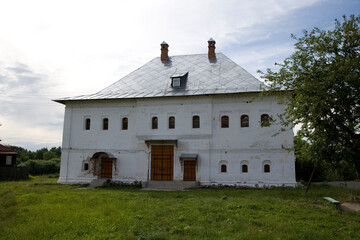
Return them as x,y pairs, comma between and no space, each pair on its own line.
206,76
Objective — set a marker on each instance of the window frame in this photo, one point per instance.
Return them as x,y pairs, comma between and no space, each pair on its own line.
171,122
243,121
225,121
124,123
196,121
154,122
105,124
8,160
87,123
265,120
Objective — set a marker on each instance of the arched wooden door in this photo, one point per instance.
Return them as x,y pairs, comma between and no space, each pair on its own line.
162,162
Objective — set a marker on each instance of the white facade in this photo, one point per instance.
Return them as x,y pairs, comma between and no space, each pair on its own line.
254,146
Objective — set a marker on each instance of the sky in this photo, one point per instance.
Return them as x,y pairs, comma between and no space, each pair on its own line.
55,49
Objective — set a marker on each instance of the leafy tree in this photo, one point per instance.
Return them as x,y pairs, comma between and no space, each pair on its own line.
321,80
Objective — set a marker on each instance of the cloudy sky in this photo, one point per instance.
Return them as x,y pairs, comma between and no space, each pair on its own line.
53,49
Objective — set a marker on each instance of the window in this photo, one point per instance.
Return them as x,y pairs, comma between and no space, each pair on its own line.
105,124
244,121
266,166
176,82
223,168
154,123
8,160
244,166
86,166
87,123
171,122
265,120
224,122
196,122
125,123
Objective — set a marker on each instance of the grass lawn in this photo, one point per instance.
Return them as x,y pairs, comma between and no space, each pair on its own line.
41,209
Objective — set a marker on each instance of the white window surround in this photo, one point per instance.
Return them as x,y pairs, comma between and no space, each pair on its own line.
8,160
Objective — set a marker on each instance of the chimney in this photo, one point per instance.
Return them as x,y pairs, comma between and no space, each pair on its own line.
164,51
211,52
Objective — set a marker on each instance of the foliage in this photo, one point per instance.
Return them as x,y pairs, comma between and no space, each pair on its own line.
24,155
38,167
66,212
110,184
320,82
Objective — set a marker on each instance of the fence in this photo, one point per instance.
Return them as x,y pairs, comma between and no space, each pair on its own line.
14,173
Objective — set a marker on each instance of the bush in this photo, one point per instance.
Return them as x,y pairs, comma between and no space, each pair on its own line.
40,167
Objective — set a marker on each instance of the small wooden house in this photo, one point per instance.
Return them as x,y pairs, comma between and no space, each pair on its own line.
7,157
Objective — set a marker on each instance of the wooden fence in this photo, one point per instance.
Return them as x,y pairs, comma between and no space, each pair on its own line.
14,173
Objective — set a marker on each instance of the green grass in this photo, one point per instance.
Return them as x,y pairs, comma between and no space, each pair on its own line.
41,209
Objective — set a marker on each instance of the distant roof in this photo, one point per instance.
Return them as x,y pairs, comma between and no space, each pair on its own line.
206,76
6,150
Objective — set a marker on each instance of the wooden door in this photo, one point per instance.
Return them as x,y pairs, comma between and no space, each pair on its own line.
106,167
190,170
162,163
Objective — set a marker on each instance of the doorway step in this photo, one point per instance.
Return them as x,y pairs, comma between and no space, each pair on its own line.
97,182
170,185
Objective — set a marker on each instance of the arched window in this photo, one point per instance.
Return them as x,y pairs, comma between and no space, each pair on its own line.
244,166
154,123
223,168
265,120
87,123
125,123
196,122
224,122
244,121
105,124
171,122
267,166
86,166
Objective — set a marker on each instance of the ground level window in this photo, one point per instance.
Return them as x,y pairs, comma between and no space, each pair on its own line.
266,168
223,168
86,166
244,168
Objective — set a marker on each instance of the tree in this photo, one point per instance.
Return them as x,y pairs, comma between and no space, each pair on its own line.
320,82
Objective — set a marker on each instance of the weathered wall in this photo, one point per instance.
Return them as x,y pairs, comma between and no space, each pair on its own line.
215,145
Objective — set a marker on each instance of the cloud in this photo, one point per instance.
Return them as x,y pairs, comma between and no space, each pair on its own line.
53,49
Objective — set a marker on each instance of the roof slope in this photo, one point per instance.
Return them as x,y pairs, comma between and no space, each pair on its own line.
6,150
205,76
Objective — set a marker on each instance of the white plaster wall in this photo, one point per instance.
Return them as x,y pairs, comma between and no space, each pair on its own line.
213,143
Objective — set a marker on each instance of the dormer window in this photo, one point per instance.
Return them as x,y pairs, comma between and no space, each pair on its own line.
176,82
178,79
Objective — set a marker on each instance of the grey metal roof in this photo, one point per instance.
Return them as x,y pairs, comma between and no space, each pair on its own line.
219,75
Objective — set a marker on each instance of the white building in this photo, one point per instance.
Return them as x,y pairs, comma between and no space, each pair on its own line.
190,117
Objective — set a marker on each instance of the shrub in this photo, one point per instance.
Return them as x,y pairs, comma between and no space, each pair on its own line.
40,167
